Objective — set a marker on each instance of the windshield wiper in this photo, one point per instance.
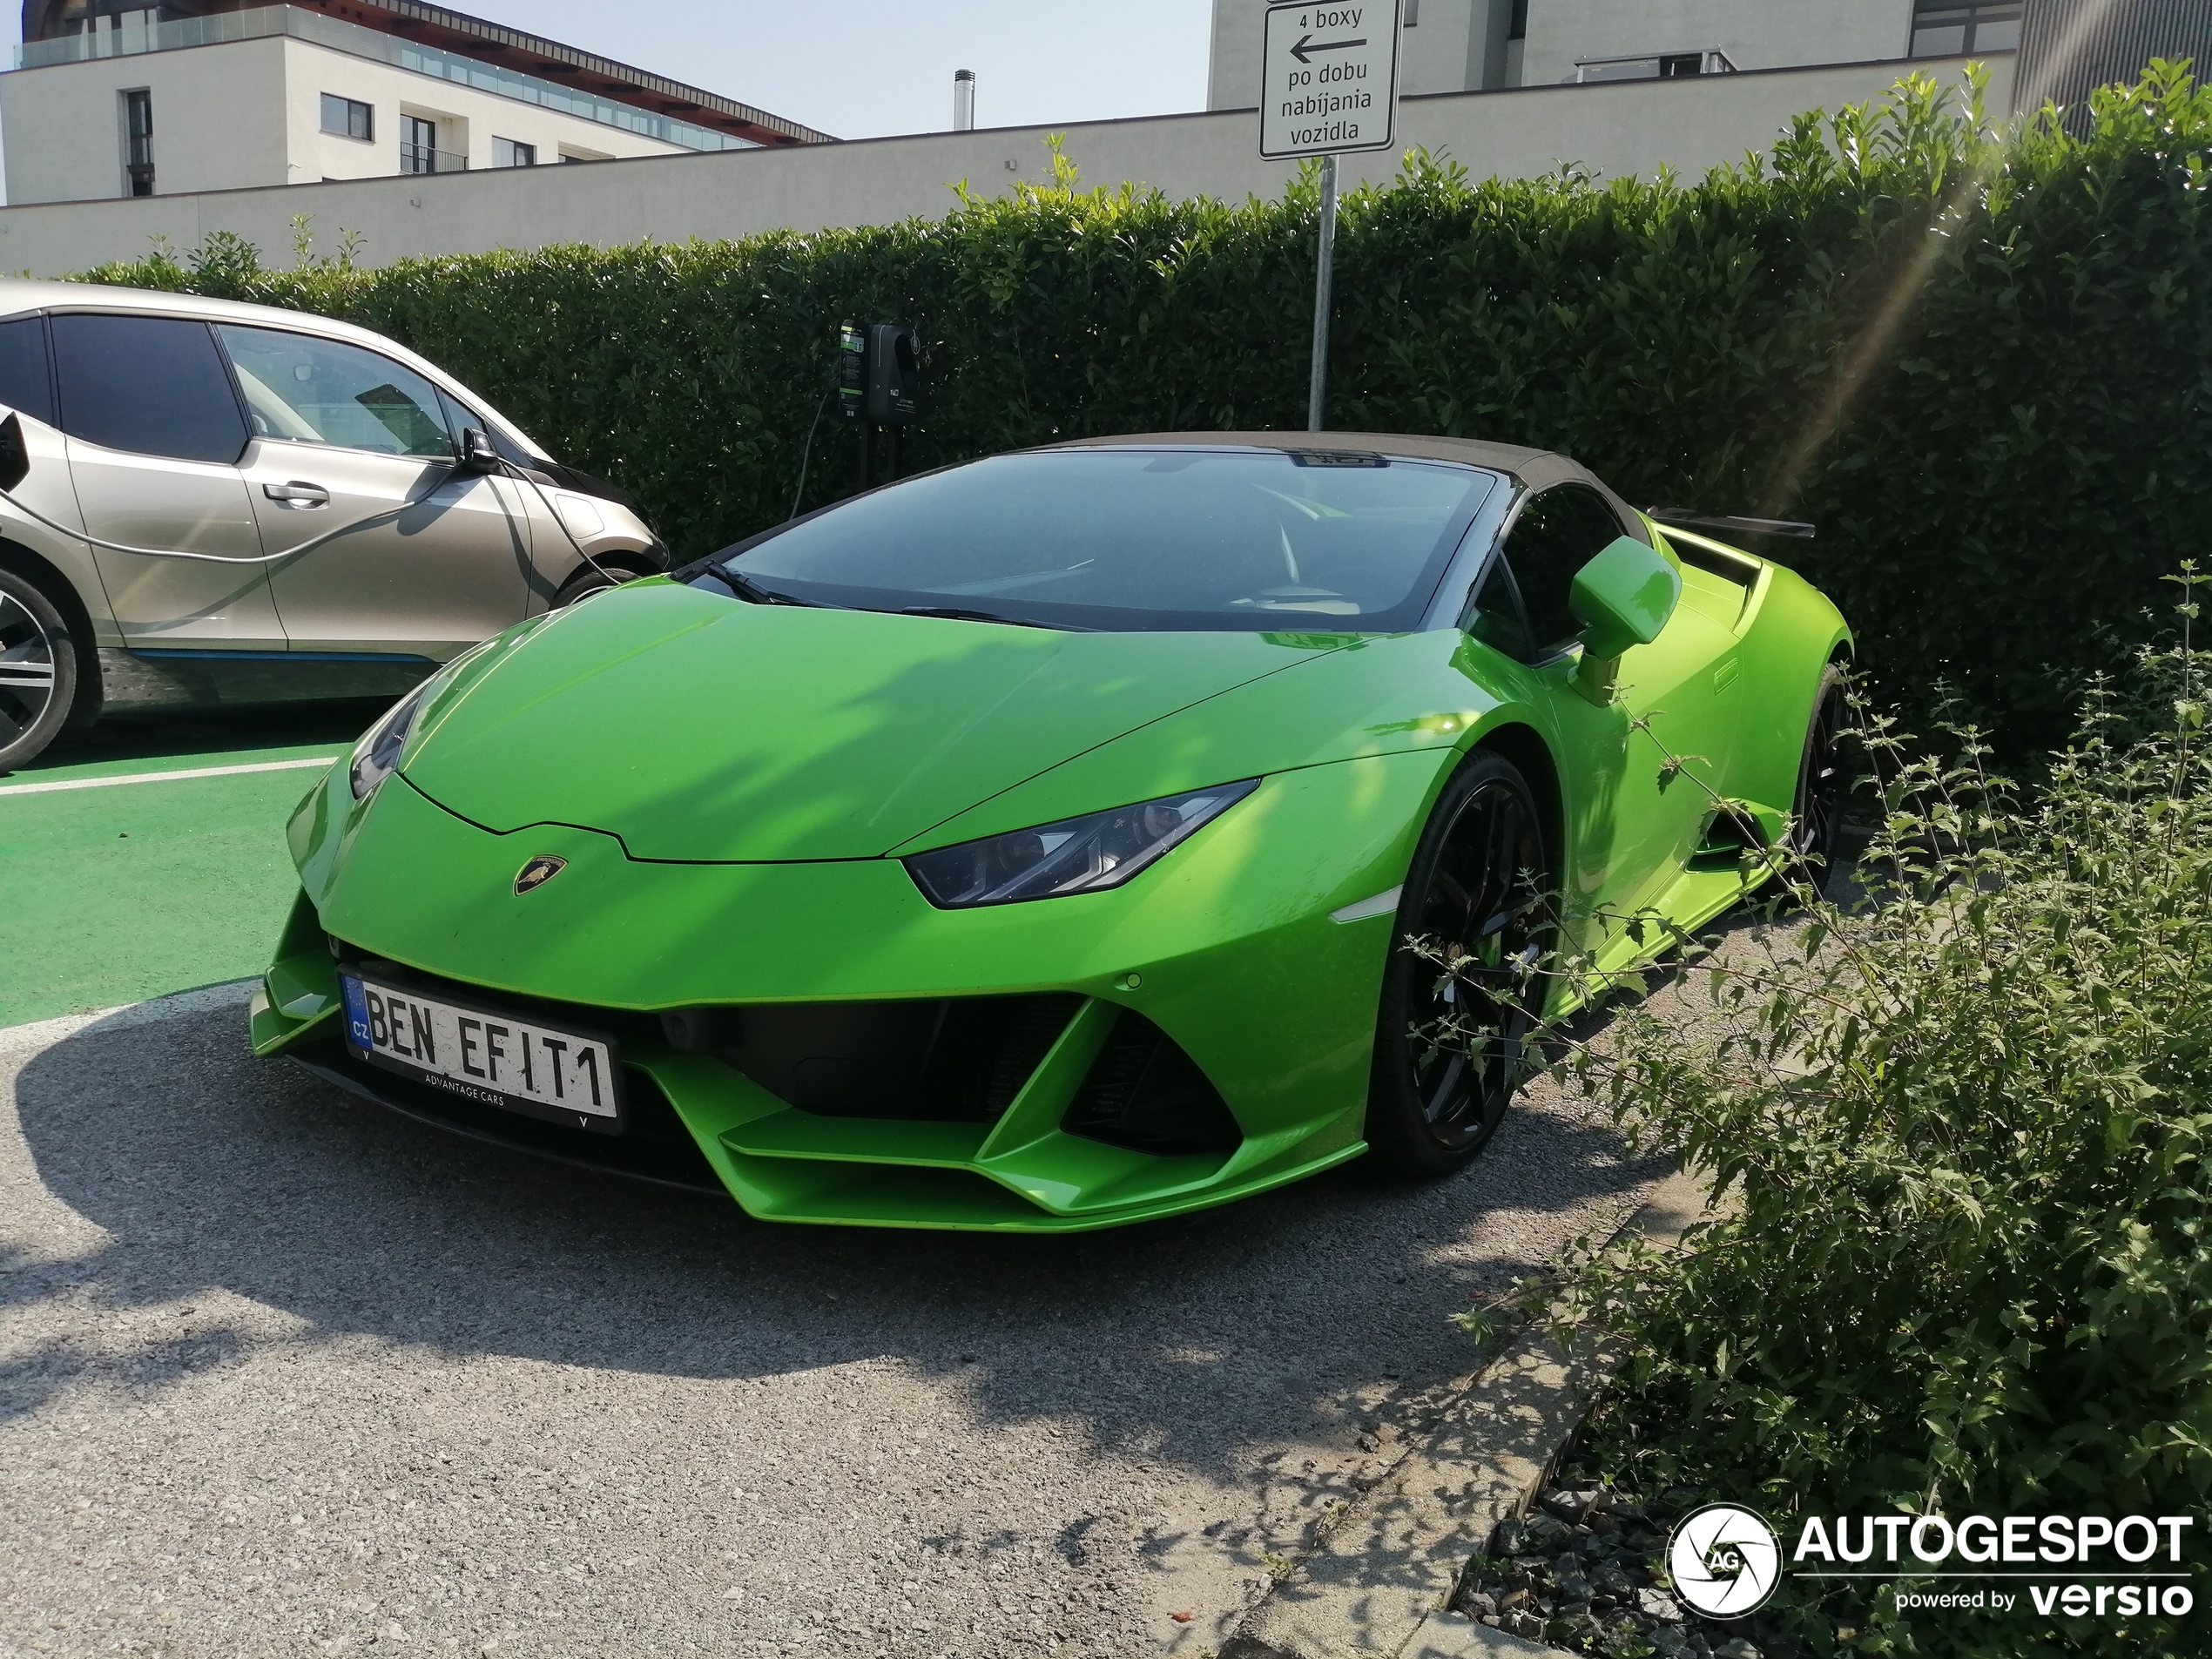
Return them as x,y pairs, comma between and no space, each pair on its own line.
748,589
957,614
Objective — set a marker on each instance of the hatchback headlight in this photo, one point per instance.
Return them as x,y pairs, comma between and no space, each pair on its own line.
1085,854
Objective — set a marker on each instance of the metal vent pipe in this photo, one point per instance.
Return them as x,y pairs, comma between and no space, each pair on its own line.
963,100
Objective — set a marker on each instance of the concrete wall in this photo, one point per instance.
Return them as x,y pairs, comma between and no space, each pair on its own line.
219,122
1755,34
1629,127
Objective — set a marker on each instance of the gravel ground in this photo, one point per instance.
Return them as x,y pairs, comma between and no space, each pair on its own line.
281,1373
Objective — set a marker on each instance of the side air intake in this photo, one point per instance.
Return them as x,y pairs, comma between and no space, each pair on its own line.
1143,1093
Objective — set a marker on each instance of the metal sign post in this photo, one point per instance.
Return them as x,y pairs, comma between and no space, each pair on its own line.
1329,86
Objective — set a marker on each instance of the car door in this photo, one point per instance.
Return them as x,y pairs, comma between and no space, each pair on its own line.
1653,755
153,435
351,463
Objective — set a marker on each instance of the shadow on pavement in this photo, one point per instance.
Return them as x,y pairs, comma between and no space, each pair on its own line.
1191,1338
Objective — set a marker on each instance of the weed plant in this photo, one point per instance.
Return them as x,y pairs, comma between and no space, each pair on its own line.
1956,1132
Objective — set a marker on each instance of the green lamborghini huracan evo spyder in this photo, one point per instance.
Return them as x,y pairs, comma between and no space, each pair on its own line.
1035,845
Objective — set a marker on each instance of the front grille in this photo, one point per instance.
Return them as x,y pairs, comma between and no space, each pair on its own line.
952,1060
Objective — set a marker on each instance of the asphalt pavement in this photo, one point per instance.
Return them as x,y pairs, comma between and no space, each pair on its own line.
281,1373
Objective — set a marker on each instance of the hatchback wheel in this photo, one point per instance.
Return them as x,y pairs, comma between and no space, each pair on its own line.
590,580
38,671
1451,1048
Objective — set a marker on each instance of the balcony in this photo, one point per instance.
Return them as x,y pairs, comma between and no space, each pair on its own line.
421,158
1652,66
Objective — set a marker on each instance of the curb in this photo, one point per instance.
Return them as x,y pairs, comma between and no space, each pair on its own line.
1379,1584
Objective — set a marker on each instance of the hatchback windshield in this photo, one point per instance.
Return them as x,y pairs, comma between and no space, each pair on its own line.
1136,539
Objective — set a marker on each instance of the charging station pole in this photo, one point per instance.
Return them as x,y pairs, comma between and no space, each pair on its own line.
1328,86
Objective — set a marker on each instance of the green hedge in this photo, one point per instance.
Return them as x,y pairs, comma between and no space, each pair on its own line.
1978,362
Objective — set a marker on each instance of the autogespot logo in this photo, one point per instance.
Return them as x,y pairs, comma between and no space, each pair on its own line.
1724,1560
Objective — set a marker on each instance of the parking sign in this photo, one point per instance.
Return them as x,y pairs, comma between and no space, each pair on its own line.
1329,79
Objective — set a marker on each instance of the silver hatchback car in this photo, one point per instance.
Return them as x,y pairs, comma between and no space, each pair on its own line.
204,502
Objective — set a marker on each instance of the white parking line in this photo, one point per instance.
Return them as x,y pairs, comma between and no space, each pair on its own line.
163,777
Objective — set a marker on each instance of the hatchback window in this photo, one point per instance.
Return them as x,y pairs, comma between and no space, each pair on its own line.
1128,539
1557,535
301,389
25,382
155,386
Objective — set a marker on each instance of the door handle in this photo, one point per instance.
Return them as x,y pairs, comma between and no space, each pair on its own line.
297,495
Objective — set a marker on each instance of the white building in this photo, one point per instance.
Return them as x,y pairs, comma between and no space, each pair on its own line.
117,97
1488,45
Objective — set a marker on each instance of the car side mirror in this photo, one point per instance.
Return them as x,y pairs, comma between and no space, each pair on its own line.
1622,598
478,455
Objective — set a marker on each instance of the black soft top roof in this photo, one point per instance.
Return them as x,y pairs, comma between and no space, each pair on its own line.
1533,469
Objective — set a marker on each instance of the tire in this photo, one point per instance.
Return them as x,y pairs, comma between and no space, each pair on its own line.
589,581
40,674
1816,808
1481,880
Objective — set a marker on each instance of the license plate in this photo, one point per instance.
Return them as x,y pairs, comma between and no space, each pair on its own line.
493,1059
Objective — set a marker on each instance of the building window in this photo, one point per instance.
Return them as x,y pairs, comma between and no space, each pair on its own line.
419,151
505,152
348,118
1949,28
138,142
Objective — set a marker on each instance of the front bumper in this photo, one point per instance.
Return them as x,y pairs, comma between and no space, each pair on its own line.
1226,949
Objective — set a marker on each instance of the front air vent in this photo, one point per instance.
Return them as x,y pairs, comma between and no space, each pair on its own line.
953,1060
1145,1093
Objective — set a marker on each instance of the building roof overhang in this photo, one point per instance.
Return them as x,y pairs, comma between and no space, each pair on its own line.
514,49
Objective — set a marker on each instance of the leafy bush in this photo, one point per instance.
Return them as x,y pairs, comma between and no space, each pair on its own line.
1978,362
1961,1129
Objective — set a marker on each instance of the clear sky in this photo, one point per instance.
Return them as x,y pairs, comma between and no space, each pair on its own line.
862,68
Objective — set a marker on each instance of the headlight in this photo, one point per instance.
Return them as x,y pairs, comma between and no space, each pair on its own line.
1083,855
376,756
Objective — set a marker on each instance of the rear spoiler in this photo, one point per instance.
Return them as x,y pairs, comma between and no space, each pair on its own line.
1689,519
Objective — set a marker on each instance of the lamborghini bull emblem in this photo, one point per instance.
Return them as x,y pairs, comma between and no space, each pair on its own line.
538,873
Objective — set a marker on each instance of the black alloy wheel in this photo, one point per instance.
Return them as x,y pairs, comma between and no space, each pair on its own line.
38,675
1816,810
1479,887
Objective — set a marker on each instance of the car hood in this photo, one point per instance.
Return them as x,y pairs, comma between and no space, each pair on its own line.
698,728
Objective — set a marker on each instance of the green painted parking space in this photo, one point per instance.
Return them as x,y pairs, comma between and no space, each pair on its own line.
119,882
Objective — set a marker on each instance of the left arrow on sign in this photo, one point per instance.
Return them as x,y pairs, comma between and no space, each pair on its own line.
1305,47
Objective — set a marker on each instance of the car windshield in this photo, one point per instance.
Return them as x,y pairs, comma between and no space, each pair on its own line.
1128,540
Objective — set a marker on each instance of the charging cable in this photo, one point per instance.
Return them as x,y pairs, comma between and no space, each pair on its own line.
502,465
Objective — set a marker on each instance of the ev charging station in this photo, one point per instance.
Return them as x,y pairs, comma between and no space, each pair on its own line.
1328,86
879,389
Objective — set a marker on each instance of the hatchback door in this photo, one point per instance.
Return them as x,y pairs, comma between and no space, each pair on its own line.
353,465
154,434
